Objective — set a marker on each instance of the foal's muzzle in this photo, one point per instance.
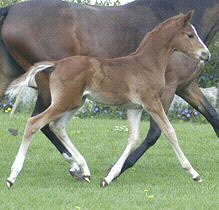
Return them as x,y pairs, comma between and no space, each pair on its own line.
205,56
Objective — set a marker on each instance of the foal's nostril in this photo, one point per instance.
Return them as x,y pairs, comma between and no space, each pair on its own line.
205,56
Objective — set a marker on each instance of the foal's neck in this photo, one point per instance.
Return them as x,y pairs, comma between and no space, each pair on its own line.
155,49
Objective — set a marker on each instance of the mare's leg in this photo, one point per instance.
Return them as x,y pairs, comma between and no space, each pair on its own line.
193,95
32,126
156,110
59,128
153,134
4,83
134,118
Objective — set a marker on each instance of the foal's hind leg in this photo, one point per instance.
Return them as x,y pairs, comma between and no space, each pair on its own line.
134,118
156,110
59,128
32,126
40,107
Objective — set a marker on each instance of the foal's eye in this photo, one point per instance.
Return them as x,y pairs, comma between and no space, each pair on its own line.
190,36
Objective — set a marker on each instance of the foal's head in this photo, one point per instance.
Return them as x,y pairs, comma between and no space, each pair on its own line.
187,40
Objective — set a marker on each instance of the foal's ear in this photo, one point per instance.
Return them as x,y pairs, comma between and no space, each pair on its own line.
187,17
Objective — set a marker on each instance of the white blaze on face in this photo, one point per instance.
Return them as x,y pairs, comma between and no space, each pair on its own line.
205,49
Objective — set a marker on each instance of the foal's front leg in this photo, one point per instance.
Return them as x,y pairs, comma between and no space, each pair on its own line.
156,110
153,133
134,118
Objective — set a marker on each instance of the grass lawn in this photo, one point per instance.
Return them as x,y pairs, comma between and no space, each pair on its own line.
156,182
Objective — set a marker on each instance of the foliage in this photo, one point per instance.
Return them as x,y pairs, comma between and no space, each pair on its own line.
209,76
6,104
4,3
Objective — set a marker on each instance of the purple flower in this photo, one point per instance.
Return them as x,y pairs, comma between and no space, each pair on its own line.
211,76
190,111
121,112
186,111
4,105
105,111
188,115
195,113
96,109
83,111
178,115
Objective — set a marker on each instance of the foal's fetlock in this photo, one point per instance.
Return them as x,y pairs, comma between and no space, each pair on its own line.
77,174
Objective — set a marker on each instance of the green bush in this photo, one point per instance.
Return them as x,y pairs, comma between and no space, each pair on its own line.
209,76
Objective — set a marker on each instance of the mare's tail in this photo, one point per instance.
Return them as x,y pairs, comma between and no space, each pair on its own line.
3,14
28,79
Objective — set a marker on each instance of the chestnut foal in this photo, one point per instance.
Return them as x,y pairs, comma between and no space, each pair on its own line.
135,81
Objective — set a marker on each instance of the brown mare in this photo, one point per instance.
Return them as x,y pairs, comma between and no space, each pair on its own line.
28,35
136,81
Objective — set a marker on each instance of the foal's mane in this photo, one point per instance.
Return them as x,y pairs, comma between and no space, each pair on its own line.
162,26
170,21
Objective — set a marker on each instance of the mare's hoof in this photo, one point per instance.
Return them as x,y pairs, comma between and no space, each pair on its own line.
9,184
103,183
198,179
87,178
76,174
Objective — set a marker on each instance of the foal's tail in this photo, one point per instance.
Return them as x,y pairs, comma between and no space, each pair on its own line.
28,79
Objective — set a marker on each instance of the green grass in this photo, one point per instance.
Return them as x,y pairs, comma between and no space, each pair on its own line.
45,183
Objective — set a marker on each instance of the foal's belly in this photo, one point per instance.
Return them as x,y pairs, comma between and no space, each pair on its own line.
113,99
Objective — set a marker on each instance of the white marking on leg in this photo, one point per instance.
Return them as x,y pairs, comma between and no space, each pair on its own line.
134,119
58,127
19,160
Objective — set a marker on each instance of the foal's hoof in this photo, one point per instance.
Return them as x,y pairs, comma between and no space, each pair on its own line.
9,184
86,178
76,174
103,183
198,179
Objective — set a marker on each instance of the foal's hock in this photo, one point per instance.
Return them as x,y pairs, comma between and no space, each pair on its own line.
135,81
